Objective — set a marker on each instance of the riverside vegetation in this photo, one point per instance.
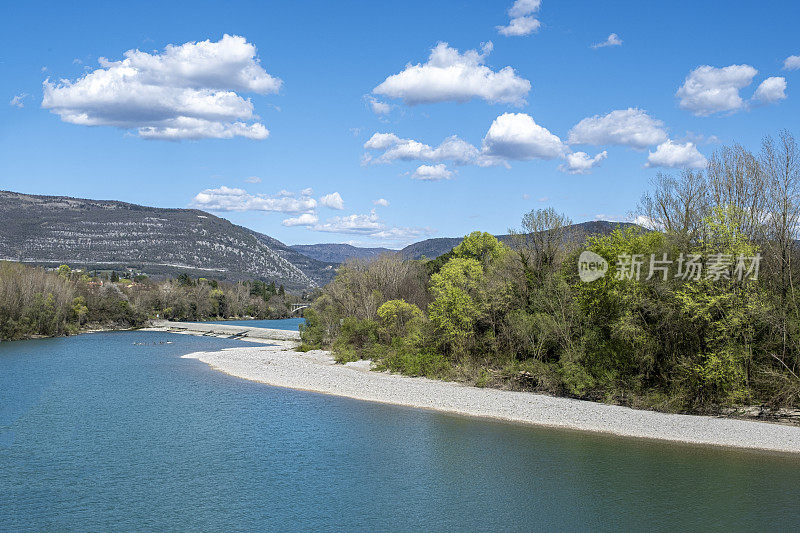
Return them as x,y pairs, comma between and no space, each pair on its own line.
518,316
36,302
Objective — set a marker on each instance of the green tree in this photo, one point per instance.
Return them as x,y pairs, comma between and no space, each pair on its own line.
399,320
480,246
453,311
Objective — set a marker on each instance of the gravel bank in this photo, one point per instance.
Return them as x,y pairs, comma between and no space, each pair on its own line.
281,366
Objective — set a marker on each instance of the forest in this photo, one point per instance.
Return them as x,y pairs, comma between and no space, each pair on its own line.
715,326
35,302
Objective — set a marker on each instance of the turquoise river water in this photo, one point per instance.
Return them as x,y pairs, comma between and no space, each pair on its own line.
115,431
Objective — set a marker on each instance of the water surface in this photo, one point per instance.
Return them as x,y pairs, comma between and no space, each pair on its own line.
98,432
283,323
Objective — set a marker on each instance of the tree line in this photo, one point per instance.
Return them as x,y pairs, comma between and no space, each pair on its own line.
519,316
38,302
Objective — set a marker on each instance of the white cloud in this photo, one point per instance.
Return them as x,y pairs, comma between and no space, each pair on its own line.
382,141
253,179
381,202
306,219
522,22
771,90
709,90
449,76
520,26
233,199
792,63
308,191
332,200
17,101
517,136
675,155
451,149
186,92
623,127
353,224
581,162
369,225
432,173
511,136
378,107
612,40
644,221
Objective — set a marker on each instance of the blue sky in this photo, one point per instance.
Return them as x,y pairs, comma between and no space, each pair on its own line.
680,81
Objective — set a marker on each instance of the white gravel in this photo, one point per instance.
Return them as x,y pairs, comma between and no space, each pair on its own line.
281,366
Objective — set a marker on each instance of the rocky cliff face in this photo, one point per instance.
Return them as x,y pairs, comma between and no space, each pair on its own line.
51,230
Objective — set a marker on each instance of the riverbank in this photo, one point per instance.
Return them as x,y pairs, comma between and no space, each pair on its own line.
279,364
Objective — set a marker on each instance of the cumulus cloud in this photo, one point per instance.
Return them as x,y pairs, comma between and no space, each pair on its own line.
395,148
18,100
253,179
522,20
383,202
612,40
332,200
708,90
306,219
581,162
233,199
517,136
511,136
369,225
676,155
432,173
771,90
353,224
450,76
378,107
188,91
792,63
624,127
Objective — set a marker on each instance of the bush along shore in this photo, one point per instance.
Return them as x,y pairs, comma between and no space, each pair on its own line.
697,313
35,302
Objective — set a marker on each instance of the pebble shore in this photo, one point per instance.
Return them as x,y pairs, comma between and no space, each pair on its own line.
280,365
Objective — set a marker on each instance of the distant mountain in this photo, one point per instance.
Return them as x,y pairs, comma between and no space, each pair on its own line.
433,248
98,234
337,253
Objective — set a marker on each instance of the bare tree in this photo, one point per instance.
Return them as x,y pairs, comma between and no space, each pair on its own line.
676,205
780,163
542,238
735,181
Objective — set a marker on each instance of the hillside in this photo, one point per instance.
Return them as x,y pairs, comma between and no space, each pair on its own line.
432,248
337,253
98,234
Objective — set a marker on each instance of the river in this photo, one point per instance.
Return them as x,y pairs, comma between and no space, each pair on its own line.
115,431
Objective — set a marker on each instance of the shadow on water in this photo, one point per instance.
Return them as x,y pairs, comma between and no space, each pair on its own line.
97,432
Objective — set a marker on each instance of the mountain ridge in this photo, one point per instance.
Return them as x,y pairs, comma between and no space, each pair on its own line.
338,253
110,234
